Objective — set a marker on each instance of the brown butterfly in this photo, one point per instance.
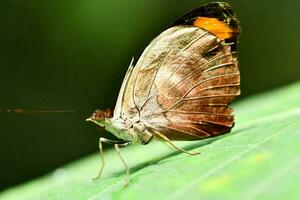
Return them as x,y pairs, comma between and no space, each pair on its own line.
181,86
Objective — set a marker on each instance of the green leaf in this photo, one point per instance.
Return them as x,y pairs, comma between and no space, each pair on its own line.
259,159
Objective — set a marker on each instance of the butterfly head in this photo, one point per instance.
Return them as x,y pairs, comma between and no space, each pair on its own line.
99,117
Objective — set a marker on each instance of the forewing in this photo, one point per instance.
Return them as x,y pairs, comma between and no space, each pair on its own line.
140,84
183,82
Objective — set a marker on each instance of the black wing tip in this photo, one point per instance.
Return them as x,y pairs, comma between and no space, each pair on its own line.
221,10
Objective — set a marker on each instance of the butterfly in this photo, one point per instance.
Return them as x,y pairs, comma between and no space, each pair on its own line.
182,84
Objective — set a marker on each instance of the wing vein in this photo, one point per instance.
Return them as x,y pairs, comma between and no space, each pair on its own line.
188,133
210,96
183,60
191,73
208,79
188,112
162,62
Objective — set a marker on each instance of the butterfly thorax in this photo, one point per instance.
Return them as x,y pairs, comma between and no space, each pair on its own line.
122,128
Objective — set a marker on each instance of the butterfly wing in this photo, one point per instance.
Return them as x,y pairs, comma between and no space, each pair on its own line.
185,79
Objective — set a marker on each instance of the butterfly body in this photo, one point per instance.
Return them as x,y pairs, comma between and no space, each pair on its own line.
135,132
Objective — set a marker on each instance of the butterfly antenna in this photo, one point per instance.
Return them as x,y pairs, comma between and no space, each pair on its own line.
26,111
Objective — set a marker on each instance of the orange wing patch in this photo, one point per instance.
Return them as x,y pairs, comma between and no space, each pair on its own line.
215,26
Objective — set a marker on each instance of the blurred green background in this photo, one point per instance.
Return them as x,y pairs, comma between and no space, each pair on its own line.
72,54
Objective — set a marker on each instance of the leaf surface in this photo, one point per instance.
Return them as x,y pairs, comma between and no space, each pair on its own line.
259,159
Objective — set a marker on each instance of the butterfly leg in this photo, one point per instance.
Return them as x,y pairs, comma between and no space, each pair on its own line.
102,162
122,159
163,137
